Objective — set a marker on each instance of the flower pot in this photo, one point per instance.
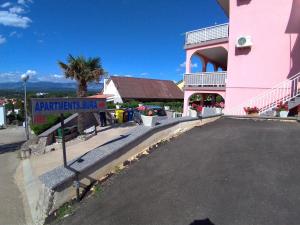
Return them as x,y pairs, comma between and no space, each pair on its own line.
118,106
149,121
193,113
141,104
253,114
283,114
167,107
218,110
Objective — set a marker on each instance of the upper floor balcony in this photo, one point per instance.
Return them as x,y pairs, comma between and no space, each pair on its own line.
206,80
214,34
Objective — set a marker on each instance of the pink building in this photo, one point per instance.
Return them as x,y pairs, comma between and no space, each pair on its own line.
256,56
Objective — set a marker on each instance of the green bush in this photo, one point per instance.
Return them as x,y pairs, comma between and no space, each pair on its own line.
176,106
110,105
51,121
219,99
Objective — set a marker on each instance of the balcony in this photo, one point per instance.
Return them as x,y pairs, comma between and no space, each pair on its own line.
206,80
206,35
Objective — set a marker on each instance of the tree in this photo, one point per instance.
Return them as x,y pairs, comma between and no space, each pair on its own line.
84,71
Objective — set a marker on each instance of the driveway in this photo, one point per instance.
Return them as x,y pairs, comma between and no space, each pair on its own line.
11,207
230,172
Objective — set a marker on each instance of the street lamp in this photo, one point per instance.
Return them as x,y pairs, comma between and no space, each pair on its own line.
25,78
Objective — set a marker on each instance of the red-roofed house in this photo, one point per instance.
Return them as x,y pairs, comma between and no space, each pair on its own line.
141,89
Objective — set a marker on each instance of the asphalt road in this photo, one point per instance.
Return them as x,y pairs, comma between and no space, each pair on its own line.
11,204
230,172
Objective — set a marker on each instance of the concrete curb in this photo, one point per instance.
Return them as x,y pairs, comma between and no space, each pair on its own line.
263,118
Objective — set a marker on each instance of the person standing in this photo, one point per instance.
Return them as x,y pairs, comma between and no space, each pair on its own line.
103,119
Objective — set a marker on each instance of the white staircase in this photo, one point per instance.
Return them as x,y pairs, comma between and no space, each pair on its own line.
294,102
286,91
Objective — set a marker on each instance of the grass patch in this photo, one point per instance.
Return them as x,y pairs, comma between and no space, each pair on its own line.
64,211
97,190
118,169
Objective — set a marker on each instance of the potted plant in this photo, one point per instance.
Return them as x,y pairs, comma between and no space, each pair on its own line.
195,110
282,109
167,108
148,116
219,107
251,111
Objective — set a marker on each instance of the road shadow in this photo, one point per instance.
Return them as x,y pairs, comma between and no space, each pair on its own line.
10,147
202,222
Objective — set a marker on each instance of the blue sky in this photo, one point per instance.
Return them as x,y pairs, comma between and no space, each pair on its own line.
140,38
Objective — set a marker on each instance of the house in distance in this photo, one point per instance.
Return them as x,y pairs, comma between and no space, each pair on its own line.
123,89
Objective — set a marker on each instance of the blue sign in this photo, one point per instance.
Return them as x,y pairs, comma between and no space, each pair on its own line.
46,106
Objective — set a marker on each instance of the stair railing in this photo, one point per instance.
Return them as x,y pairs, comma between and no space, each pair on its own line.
282,92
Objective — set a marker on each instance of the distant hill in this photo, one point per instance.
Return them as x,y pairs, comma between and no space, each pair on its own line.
47,86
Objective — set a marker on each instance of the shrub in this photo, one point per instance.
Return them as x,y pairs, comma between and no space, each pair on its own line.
282,107
251,110
219,99
51,121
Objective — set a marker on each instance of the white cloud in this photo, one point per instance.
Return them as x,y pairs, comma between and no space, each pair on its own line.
58,78
15,34
30,73
182,65
16,9
144,74
24,2
195,65
2,39
10,76
34,77
14,20
5,5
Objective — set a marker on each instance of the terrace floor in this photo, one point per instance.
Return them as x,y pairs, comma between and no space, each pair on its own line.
229,172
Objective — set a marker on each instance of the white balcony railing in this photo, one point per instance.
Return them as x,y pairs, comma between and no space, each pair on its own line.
207,34
206,79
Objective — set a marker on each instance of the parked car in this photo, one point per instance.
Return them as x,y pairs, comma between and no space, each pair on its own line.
159,111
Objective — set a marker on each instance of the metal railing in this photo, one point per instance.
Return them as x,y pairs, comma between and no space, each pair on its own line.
283,92
207,34
206,79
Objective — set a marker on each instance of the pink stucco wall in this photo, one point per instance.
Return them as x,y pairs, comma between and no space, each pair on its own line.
275,53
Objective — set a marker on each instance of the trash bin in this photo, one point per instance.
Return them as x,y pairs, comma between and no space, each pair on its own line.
130,114
125,116
119,115
59,133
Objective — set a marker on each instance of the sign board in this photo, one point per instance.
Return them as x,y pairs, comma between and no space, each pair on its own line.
47,106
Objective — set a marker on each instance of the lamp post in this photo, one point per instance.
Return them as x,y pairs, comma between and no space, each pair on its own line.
25,78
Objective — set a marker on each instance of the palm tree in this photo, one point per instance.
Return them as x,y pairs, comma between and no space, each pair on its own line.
84,71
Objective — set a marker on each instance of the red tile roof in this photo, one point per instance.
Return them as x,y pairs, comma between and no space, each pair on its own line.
100,96
142,88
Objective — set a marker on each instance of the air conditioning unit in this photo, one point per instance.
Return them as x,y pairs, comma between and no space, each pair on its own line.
243,42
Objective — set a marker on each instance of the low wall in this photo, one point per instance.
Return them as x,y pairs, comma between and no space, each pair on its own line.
54,188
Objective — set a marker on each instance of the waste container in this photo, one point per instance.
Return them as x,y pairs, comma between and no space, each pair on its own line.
59,133
130,114
68,130
125,116
119,115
